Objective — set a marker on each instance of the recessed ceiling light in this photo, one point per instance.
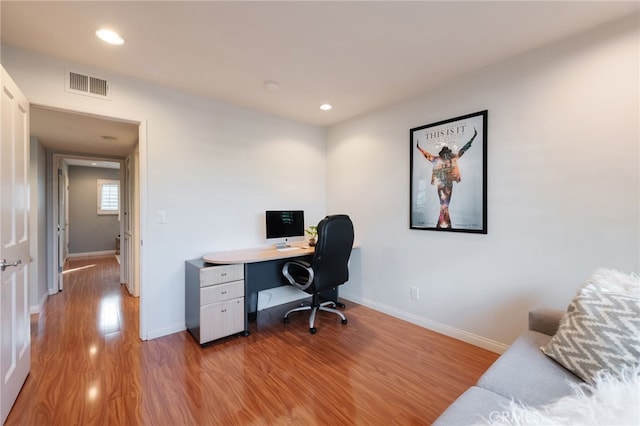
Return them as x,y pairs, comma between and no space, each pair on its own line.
109,36
326,107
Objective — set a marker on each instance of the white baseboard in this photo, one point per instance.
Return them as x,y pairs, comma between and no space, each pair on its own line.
92,254
154,334
38,308
465,336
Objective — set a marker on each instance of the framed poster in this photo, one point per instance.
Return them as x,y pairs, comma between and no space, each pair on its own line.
449,175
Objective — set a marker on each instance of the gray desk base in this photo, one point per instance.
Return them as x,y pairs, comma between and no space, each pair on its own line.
267,274
258,276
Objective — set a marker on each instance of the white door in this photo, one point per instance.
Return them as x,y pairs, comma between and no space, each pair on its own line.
63,224
131,247
125,249
15,339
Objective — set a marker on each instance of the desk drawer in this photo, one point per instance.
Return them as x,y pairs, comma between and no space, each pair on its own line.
221,292
221,319
221,274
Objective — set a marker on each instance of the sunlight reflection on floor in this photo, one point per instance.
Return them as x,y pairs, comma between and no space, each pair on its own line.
109,320
68,271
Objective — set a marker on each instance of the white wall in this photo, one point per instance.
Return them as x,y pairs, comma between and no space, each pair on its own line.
563,183
563,189
213,168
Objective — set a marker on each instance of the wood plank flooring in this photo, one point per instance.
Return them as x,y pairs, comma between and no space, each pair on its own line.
89,366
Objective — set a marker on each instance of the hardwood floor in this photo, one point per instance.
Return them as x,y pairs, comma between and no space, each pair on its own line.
89,366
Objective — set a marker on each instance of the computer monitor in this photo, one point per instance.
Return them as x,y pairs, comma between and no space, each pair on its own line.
284,224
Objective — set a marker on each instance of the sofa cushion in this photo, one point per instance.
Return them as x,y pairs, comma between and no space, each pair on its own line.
601,329
611,400
527,375
474,406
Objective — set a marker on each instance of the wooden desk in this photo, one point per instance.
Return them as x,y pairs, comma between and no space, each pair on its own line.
256,255
262,270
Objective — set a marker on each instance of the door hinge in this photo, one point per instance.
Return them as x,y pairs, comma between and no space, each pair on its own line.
59,172
59,269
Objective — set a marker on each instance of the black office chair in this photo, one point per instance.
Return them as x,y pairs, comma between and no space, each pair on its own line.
328,268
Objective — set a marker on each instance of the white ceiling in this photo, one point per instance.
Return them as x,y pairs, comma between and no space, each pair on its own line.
359,56
76,133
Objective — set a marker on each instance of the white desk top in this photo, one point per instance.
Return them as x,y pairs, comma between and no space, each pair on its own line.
255,255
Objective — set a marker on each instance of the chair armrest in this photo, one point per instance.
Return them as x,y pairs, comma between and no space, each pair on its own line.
545,319
298,262
299,273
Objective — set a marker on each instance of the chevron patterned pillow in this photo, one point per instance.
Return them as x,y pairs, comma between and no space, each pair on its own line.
600,331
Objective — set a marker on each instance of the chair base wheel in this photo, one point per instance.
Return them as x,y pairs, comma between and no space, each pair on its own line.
312,330
344,321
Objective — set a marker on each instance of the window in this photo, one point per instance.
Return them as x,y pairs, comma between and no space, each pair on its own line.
108,196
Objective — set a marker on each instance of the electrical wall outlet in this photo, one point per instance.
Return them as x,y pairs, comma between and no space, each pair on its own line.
415,293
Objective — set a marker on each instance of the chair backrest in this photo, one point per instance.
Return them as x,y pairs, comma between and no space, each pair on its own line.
333,249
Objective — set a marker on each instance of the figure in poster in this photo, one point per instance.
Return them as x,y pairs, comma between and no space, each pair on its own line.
445,172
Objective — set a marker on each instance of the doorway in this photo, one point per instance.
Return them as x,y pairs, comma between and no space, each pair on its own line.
78,136
80,227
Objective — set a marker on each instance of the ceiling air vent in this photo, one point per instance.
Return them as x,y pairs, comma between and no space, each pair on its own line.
87,85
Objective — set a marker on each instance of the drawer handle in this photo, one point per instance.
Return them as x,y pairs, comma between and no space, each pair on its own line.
224,274
223,292
224,310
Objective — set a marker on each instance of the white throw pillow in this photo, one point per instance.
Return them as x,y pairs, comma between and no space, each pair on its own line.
614,281
611,400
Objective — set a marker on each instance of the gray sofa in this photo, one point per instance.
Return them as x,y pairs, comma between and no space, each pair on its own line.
523,373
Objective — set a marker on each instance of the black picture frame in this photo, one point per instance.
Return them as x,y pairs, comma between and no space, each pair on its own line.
448,182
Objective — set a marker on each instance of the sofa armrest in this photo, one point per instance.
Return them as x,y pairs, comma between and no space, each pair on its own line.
545,319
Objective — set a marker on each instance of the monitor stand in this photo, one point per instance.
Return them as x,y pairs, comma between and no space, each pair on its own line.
281,245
